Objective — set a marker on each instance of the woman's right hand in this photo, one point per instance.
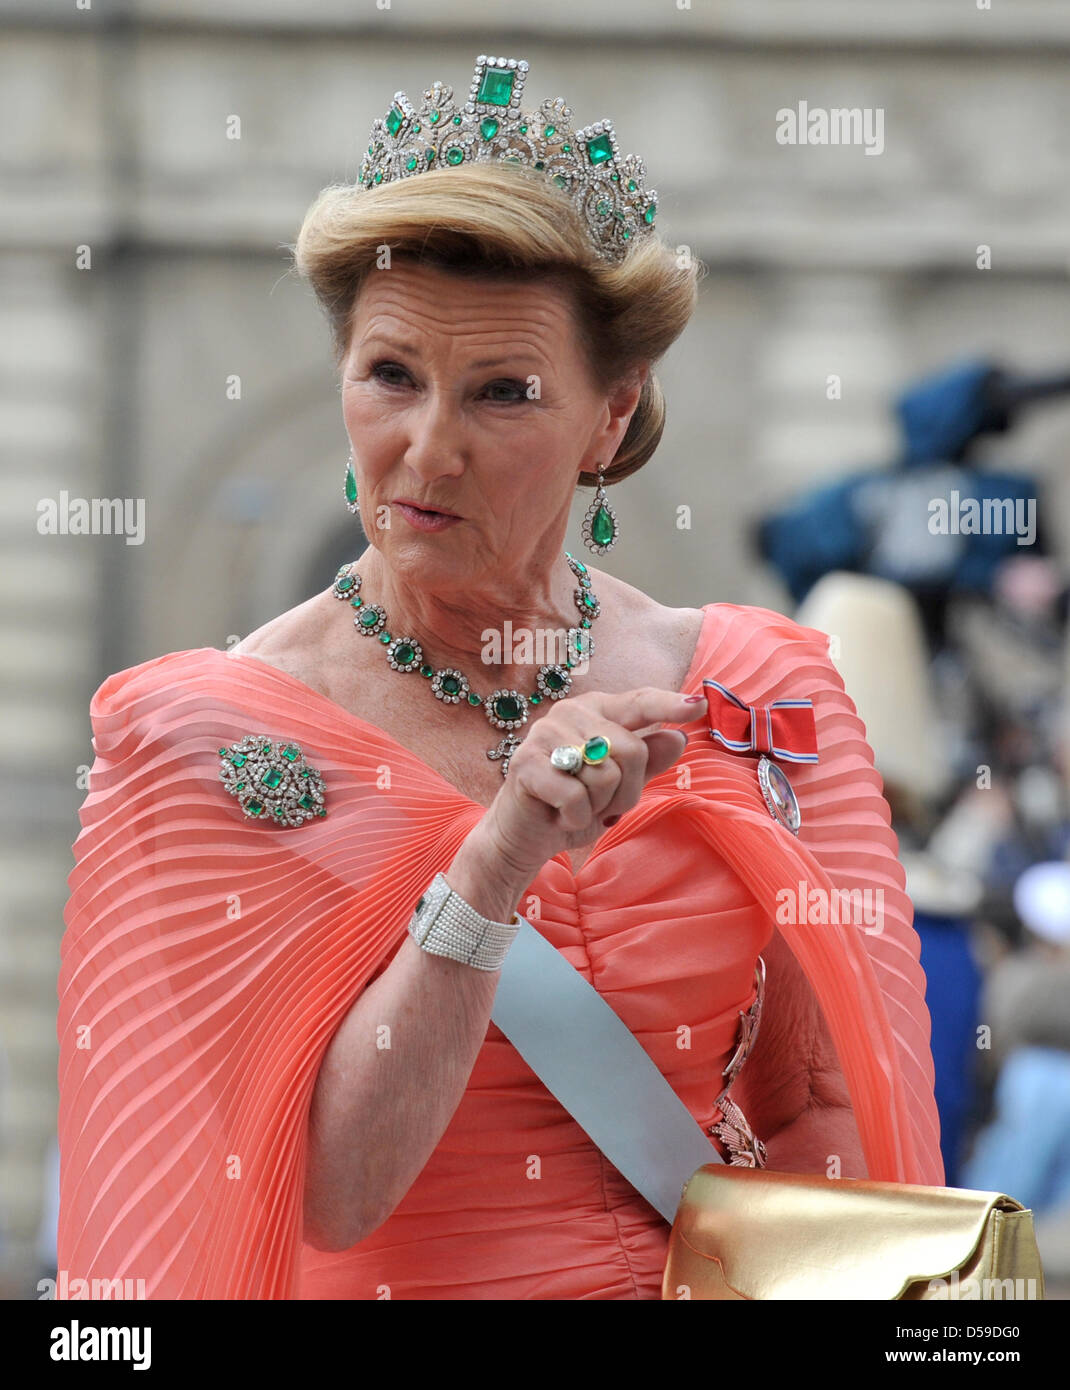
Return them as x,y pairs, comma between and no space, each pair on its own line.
541,810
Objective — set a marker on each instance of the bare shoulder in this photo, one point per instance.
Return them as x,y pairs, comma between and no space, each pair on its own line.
666,637
290,640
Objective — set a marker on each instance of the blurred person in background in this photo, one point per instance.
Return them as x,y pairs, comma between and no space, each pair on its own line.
1025,1149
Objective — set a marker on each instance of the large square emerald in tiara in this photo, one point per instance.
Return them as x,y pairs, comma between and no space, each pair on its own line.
599,149
496,89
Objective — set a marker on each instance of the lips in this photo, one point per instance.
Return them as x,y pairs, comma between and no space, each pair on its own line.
423,507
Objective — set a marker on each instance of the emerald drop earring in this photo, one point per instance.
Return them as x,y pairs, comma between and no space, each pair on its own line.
601,529
352,503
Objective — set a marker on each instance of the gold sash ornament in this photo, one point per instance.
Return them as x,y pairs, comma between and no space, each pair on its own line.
747,1233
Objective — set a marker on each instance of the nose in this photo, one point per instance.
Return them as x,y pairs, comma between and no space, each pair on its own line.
436,446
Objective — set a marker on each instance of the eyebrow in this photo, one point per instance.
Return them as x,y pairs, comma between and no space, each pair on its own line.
407,349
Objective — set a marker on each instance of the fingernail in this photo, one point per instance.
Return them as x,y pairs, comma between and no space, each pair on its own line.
611,820
693,699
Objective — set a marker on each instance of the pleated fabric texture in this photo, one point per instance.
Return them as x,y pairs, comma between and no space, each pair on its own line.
208,960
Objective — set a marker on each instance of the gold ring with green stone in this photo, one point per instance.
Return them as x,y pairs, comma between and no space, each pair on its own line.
596,750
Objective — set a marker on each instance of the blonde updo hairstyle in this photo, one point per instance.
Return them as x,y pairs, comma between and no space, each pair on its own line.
492,220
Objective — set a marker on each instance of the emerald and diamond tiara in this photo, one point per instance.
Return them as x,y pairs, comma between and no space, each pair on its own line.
605,188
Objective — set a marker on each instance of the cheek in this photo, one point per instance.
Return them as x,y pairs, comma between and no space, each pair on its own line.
369,426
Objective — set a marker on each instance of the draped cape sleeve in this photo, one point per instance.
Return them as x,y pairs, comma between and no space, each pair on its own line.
208,959
865,971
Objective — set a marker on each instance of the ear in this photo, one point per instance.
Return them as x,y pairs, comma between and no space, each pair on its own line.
621,404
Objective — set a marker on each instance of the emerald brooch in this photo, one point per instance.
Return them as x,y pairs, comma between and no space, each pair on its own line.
271,780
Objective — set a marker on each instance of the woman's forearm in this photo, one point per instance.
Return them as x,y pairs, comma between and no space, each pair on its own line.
396,1069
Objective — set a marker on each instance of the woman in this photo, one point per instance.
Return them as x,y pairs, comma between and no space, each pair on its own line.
277,1079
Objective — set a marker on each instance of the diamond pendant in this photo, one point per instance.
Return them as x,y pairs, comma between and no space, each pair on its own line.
507,746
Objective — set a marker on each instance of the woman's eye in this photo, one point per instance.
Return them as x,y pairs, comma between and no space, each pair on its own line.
391,374
517,390
381,367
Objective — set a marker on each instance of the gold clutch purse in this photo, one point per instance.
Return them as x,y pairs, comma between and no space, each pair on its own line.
742,1232
746,1233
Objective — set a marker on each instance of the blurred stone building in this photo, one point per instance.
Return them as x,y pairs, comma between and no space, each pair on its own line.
158,157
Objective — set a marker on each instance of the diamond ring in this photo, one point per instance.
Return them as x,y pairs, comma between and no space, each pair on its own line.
571,759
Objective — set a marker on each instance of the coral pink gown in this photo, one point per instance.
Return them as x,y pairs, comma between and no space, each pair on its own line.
208,960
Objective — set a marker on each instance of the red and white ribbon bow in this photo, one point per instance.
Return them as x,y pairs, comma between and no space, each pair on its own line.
783,729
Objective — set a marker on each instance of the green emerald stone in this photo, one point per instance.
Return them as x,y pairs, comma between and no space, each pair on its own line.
602,207
435,117
585,622
239,760
602,533
589,599
456,120
488,127
539,164
410,163
306,803
535,698
430,155
368,619
595,749
507,707
648,216
405,654
496,89
560,180
394,120
344,585
254,807
265,748
291,753
631,185
385,638
523,130
378,176
426,670
566,149
555,680
599,149
416,127
549,130
356,603
272,777
454,155
474,699
240,787
451,685
569,664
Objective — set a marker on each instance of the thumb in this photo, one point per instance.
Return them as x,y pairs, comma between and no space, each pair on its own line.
664,747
